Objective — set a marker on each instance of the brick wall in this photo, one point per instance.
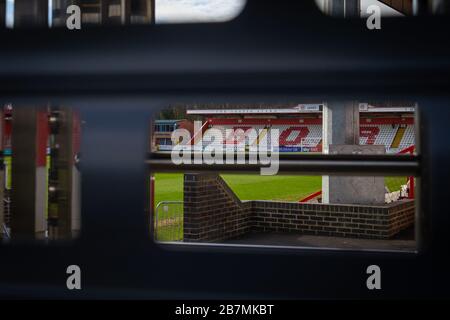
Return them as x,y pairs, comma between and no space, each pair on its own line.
401,215
356,221
212,213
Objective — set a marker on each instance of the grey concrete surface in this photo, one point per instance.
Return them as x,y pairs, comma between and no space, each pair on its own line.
404,241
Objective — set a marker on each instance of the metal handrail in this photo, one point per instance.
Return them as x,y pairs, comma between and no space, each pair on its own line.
348,165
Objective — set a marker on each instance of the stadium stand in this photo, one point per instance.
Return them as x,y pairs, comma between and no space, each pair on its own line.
305,135
408,137
377,135
386,135
236,137
295,134
394,133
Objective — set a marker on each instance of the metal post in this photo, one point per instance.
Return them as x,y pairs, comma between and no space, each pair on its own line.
29,174
64,184
411,193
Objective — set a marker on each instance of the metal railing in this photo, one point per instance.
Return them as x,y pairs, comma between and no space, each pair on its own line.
168,221
5,231
316,164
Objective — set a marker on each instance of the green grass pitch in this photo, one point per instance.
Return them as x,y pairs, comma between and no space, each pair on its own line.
169,187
